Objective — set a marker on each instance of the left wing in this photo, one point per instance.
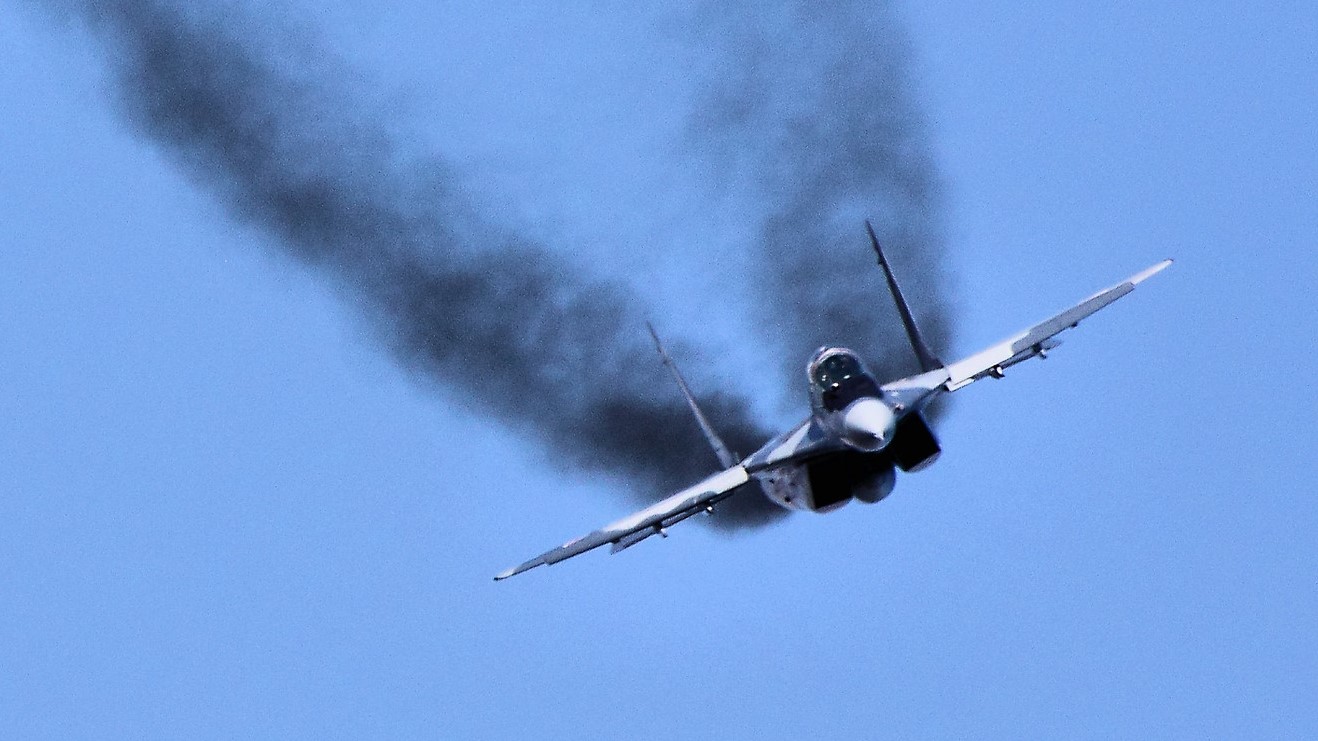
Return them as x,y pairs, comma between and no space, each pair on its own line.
652,520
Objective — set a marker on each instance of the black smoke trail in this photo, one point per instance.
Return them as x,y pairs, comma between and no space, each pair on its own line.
812,101
261,117
258,114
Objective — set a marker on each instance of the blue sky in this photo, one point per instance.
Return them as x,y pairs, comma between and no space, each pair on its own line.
225,512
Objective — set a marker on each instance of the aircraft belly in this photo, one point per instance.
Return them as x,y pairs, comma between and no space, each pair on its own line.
786,486
801,442
836,478
827,482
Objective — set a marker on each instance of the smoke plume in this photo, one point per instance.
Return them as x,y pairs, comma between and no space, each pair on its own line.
280,134
812,101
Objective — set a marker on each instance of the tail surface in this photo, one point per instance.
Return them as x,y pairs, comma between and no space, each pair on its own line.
725,456
928,361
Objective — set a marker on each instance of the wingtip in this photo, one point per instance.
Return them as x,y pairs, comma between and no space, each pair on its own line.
1150,272
514,571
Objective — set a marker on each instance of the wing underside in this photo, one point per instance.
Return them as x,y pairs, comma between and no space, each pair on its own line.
652,520
1040,338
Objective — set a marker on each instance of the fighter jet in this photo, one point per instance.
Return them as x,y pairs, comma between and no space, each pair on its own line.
859,432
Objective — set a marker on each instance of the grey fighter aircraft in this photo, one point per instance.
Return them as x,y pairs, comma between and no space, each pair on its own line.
858,435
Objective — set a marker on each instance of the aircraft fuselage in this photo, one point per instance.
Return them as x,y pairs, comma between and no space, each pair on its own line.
850,447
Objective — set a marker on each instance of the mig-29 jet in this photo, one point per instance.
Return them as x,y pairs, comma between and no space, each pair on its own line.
859,432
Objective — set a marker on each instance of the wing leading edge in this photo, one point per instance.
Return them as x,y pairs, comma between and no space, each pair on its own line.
1032,342
652,520
1040,338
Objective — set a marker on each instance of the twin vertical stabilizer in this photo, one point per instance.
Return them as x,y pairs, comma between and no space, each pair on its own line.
725,456
928,361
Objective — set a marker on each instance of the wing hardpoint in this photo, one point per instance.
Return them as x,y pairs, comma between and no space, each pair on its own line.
1038,339
652,520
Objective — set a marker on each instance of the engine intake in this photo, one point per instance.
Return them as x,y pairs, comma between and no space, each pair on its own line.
914,446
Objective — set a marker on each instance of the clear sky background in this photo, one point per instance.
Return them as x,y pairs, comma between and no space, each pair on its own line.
225,512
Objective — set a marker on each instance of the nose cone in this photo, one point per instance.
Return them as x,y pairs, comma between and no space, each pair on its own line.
868,424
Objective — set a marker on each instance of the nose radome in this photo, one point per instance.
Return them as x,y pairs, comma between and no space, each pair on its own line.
869,423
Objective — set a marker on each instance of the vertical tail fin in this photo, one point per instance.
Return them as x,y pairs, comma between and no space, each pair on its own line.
725,456
928,361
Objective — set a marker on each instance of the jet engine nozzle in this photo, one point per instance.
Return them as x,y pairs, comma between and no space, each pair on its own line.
868,424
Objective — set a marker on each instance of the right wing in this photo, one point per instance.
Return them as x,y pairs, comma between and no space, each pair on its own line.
652,520
1041,337
992,361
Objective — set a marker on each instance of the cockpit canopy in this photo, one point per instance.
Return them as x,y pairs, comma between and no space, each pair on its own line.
839,379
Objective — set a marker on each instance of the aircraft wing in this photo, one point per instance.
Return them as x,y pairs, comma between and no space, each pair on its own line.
1040,338
652,520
